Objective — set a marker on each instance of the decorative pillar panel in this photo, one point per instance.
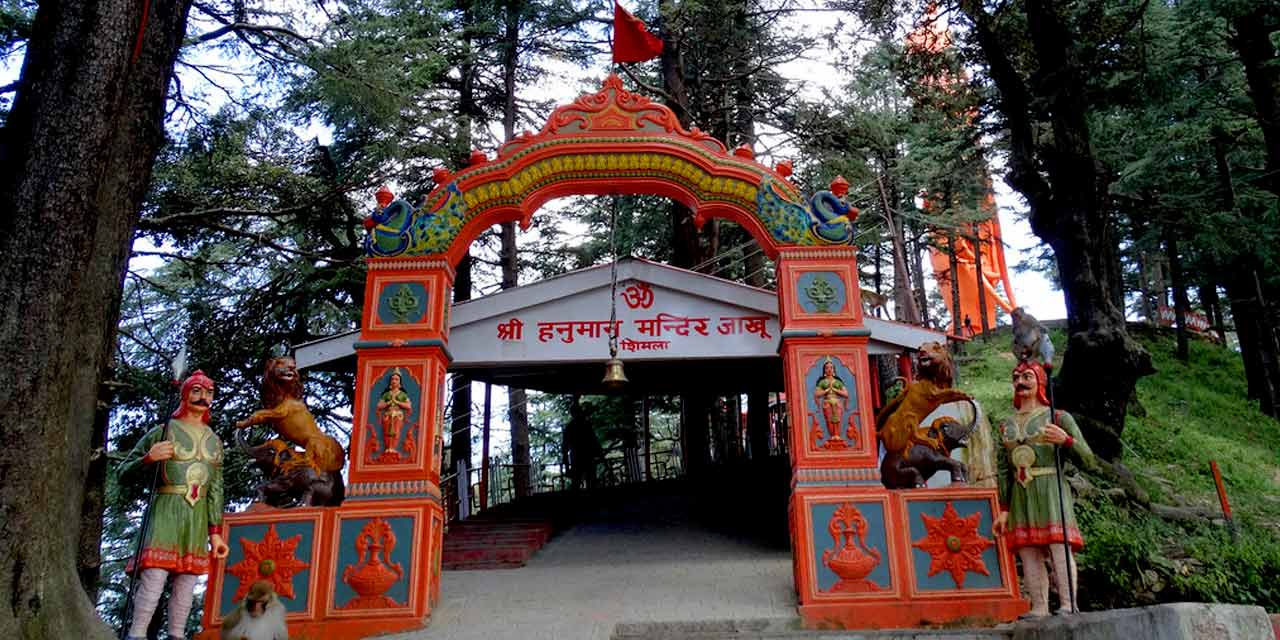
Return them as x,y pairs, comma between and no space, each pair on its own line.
829,403
363,568
396,433
865,556
286,550
824,351
406,300
382,562
818,289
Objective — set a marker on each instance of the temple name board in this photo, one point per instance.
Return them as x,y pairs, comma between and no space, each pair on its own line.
652,322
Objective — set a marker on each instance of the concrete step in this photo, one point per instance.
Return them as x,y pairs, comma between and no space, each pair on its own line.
787,629
1174,621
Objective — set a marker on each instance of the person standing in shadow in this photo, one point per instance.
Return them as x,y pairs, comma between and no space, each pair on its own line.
581,448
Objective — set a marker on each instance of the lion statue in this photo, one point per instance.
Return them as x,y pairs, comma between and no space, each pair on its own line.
288,415
913,452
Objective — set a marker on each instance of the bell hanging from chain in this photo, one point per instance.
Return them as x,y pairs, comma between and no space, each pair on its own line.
614,378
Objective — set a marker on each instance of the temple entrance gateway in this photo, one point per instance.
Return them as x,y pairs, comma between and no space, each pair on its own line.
863,556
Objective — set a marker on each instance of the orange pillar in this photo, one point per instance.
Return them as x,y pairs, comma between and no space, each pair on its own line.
864,556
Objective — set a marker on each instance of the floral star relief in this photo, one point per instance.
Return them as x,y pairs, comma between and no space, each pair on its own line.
953,544
270,559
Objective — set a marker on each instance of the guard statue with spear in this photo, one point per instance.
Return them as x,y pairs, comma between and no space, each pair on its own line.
1036,505
182,524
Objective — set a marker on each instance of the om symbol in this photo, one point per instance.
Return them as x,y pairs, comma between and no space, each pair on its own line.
638,296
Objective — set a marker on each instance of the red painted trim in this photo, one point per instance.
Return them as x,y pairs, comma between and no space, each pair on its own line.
792,314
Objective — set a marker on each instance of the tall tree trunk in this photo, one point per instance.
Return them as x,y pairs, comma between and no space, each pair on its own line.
876,279
1144,289
77,151
517,399
756,265
89,562
1212,303
903,301
1244,296
1261,61
1181,306
687,251
916,251
1257,340
1059,177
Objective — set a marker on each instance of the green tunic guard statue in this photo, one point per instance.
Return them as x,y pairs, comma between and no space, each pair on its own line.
186,516
1032,517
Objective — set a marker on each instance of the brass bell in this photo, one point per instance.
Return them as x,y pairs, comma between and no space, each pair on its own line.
614,378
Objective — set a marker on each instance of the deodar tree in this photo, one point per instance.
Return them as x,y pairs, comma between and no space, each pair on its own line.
1039,56
77,151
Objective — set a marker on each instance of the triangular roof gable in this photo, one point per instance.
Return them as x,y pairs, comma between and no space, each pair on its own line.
629,269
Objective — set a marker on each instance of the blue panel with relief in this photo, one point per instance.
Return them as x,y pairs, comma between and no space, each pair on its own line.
832,393
392,557
242,535
956,550
381,393
849,539
821,292
402,303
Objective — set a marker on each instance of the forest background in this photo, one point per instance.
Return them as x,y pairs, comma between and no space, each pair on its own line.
1142,140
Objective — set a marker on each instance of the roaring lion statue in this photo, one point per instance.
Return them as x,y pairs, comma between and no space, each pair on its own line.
911,447
288,415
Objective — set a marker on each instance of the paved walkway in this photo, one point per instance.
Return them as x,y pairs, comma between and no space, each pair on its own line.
637,564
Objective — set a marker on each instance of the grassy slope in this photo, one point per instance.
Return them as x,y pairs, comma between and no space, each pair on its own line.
1195,412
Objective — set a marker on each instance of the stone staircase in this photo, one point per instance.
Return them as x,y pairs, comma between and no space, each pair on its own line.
493,542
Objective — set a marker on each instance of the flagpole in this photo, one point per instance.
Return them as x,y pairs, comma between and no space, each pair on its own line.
614,67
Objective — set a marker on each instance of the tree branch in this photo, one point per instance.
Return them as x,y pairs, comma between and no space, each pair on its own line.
242,27
648,88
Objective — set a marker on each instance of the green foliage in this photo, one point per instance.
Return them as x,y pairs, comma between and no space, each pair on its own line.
1194,412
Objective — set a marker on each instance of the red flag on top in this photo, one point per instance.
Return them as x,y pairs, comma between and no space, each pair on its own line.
632,41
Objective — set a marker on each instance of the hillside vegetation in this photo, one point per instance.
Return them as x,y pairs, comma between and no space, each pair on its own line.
1190,413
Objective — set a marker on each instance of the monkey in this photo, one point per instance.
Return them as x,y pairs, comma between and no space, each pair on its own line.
1030,338
265,619
873,303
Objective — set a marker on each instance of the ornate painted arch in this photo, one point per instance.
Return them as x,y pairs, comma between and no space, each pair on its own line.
610,142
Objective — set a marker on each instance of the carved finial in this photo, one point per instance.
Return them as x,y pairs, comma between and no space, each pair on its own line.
784,169
840,187
384,196
477,157
612,82
744,151
441,175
